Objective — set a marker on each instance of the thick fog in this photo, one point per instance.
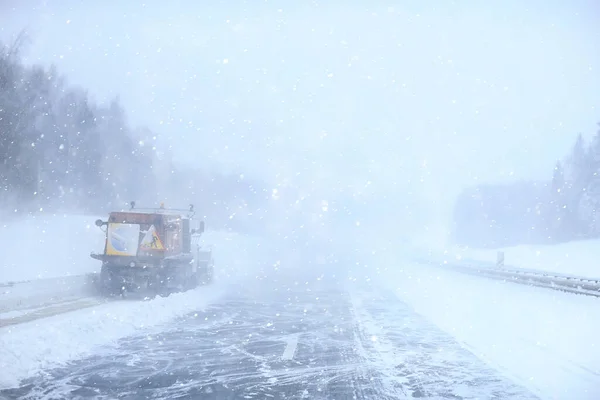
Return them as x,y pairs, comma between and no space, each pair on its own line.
399,197
366,117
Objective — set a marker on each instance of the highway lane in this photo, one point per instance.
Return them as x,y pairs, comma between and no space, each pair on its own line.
323,340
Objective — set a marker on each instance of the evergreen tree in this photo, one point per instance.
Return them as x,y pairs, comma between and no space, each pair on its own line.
59,150
558,203
577,176
558,179
589,206
577,166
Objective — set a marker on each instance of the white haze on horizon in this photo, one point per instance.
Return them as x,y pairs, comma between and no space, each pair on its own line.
404,104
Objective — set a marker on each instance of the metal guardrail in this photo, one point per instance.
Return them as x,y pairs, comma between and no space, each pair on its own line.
556,281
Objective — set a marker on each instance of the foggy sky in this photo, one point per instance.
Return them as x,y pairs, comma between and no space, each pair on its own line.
409,99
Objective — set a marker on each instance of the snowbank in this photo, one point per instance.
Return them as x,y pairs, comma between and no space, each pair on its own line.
580,258
546,340
48,246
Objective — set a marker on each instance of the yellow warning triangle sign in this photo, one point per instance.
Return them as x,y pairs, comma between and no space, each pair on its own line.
151,241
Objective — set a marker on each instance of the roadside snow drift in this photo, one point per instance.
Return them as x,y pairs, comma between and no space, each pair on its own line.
580,258
48,246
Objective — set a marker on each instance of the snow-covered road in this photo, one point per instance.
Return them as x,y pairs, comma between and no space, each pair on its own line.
269,326
321,339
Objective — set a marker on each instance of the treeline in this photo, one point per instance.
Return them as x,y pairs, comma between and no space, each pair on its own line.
561,209
59,151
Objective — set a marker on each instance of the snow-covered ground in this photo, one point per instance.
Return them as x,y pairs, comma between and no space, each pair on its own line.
48,246
579,258
543,339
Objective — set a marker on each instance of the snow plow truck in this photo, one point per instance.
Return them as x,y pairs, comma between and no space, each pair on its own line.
152,252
